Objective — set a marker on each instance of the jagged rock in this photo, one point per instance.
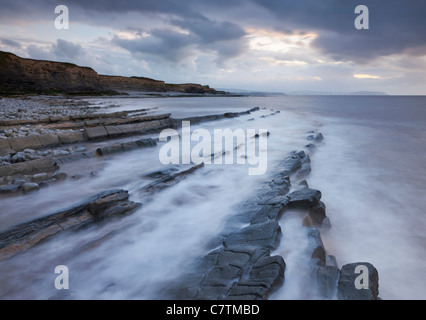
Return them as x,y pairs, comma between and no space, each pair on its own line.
347,289
304,171
317,138
293,163
317,214
327,282
304,198
265,235
95,208
266,275
316,246
267,213
161,173
278,200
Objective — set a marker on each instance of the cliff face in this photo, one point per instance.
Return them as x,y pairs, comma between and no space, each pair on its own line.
132,83
18,75
27,75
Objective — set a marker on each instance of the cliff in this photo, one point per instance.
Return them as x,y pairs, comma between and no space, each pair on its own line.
21,76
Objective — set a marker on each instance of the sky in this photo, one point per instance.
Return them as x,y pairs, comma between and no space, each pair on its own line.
263,45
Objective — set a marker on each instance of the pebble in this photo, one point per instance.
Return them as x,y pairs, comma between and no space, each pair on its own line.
19,157
29,187
57,153
59,176
40,177
18,181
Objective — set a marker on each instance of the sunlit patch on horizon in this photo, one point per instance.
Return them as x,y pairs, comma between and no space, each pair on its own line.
278,62
366,76
275,41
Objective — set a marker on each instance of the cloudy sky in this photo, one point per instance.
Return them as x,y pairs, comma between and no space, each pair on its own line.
272,45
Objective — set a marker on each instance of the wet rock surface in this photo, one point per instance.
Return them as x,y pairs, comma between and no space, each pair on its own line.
238,265
242,267
96,208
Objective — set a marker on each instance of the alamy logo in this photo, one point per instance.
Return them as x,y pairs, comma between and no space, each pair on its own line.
361,282
362,21
250,147
62,21
62,281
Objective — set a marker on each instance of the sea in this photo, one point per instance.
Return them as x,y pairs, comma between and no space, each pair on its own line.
370,169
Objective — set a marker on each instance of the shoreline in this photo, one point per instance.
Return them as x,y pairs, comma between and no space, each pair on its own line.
32,170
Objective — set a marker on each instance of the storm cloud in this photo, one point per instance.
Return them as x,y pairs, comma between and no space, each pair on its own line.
244,38
396,26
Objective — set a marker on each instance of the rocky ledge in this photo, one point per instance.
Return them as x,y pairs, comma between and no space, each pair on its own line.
240,267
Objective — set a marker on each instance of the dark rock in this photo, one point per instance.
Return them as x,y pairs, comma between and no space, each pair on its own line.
129,146
278,200
263,134
348,278
254,109
265,235
304,171
222,276
266,275
317,214
304,198
109,150
281,181
230,115
292,163
317,138
327,281
93,209
161,173
146,143
316,246
266,213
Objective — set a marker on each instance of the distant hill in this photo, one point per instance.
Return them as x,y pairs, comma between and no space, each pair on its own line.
336,93
22,76
251,92
367,93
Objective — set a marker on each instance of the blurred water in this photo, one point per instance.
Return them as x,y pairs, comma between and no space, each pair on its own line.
370,171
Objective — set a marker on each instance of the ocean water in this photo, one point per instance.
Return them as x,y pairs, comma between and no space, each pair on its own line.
370,170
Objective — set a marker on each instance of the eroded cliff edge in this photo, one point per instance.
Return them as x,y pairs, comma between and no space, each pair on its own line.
29,76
